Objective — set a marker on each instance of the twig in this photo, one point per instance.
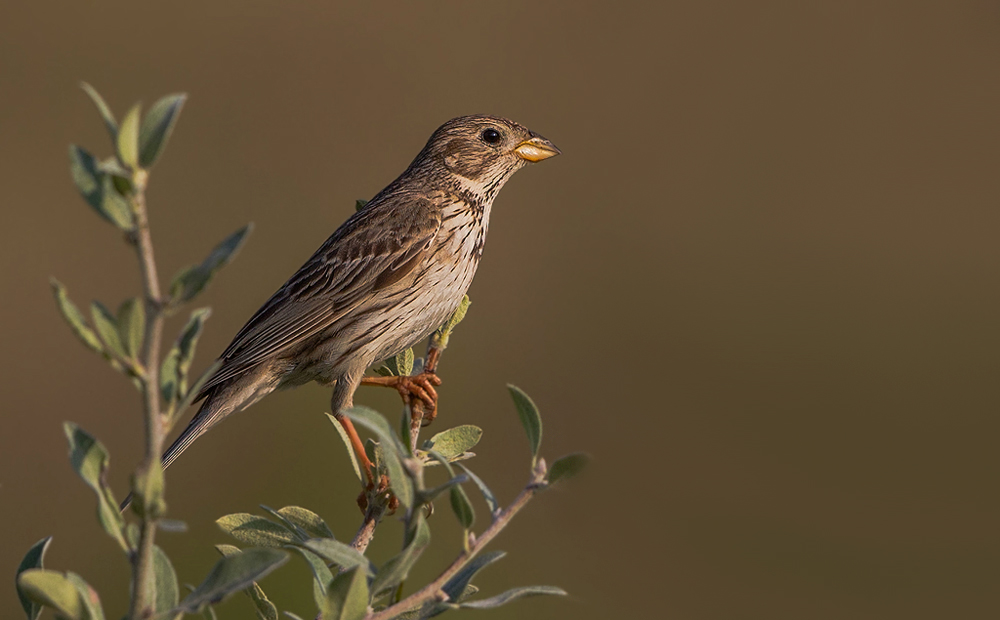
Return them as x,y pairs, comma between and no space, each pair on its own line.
433,591
144,595
373,516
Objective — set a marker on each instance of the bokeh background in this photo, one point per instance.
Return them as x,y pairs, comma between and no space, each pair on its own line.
761,286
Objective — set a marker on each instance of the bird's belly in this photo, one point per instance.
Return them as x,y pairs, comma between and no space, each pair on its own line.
424,306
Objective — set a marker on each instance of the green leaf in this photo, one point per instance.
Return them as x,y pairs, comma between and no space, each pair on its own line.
132,325
513,595
157,127
530,419
462,507
456,585
174,372
350,448
107,327
147,491
568,466
128,138
308,523
359,204
68,595
439,339
293,616
321,575
103,110
88,179
428,495
32,559
253,530
375,422
339,553
454,441
491,499
400,365
91,602
90,461
347,596
75,319
114,204
399,479
51,589
191,281
264,608
166,581
231,574
396,569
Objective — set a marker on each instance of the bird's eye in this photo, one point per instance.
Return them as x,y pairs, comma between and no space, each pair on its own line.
491,136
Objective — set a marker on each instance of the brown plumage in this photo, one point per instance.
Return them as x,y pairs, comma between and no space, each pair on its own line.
387,278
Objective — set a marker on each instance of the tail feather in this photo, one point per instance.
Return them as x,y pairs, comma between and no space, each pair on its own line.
200,423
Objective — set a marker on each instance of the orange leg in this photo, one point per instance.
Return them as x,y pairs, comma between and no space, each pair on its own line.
420,386
359,448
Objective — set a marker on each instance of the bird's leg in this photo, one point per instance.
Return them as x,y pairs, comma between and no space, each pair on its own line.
359,448
420,386
366,465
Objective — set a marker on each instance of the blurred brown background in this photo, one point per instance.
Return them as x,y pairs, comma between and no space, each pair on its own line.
761,286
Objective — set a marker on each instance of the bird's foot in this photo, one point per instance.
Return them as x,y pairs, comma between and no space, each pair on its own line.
420,387
381,493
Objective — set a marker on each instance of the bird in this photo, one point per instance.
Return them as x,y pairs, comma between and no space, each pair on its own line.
386,279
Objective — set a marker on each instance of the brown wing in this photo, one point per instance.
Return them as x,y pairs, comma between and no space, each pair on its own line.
374,248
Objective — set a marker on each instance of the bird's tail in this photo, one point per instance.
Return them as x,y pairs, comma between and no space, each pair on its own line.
200,423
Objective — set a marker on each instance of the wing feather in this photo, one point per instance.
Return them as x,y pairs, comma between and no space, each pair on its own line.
374,248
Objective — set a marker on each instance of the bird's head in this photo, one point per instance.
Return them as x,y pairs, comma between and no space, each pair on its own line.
482,152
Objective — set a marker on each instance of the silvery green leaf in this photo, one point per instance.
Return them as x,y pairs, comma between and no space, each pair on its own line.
339,553
322,576
350,448
462,507
308,521
166,581
293,616
114,204
75,319
90,461
157,127
439,339
396,569
91,602
359,204
172,526
173,373
454,441
47,588
107,327
254,530
83,167
131,325
568,466
147,491
375,422
264,608
491,499
128,138
231,574
428,495
192,280
513,595
34,558
347,596
456,585
530,419
103,110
